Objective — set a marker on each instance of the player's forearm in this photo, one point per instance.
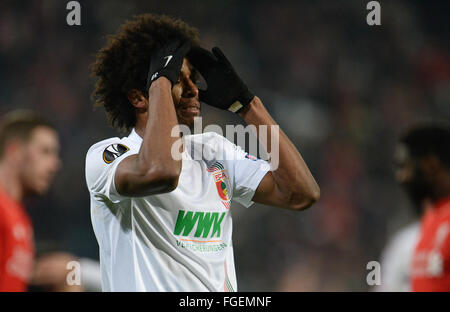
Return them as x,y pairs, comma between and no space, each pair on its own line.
157,140
292,176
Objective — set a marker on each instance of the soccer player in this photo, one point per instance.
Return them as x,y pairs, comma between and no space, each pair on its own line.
29,159
423,168
161,216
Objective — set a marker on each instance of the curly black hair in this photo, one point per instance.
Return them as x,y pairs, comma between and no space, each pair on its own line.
122,65
429,139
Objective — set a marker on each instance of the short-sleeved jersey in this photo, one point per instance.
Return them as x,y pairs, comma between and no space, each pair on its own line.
16,245
431,262
176,241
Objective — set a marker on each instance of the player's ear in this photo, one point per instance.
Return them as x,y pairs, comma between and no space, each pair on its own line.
14,149
137,99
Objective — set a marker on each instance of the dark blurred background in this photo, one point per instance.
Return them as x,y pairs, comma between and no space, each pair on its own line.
342,90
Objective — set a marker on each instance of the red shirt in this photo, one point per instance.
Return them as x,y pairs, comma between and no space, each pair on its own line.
16,245
431,260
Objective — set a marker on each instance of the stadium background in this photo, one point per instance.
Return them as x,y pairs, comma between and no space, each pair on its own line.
341,90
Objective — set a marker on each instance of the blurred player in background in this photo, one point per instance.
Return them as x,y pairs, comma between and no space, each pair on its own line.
397,256
29,160
423,169
162,222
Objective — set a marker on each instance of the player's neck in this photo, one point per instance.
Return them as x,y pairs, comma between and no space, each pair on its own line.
10,182
140,131
141,123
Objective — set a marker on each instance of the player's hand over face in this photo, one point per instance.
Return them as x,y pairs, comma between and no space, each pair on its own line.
166,61
225,90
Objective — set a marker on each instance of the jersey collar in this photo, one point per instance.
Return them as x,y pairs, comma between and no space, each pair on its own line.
135,137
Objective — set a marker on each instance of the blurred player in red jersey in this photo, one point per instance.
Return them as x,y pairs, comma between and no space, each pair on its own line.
423,168
29,159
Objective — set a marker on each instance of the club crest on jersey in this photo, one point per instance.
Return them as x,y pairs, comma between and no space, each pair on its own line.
222,183
114,151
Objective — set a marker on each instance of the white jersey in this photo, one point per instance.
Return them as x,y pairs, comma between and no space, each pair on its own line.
396,260
177,241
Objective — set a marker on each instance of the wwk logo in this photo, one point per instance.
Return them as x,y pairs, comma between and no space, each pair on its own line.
206,222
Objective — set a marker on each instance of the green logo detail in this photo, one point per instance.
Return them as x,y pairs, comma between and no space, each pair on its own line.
204,220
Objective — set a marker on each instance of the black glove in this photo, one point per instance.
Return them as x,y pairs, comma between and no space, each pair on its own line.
166,61
225,89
